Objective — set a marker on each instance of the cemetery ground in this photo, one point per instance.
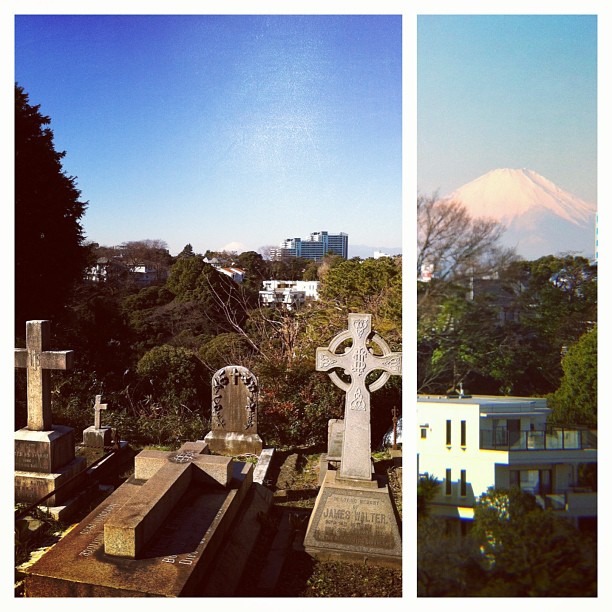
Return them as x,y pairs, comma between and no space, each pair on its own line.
278,565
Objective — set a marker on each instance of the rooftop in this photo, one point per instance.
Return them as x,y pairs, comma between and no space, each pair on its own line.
491,403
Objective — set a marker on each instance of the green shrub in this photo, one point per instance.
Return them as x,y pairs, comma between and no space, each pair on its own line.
175,376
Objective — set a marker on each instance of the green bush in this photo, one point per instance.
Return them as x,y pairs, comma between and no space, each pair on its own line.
175,376
295,404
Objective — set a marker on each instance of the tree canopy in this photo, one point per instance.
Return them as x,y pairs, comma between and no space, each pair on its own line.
49,252
505,332
453,242
531,552
575,401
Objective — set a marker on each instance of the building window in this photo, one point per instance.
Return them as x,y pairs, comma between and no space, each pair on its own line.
463,483
449,483
537,482
463,433
448,433
423,433
515,478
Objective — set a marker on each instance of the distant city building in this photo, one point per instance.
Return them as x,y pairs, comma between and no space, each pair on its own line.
315,247
288,294
142,274
236,274
105,269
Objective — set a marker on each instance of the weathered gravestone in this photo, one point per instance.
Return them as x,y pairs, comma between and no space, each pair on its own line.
354,517
98,436
160,534
335,438
234,412
44,453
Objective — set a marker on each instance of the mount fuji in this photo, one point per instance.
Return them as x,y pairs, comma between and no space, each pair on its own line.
540,218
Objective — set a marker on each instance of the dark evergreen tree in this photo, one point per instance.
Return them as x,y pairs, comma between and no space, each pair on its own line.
49,253
575,401
187,251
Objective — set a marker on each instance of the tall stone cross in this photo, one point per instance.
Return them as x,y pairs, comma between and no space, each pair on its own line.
358,361
38,363
98,415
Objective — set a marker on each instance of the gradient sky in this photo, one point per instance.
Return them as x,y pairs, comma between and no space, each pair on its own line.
224,131
507,91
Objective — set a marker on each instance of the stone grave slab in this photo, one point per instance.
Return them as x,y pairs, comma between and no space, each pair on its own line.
235,394
263,465
354,509
223,579
174,562
130,528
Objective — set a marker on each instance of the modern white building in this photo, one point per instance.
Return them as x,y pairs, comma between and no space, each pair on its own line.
142,274
473,443
288,294
315,247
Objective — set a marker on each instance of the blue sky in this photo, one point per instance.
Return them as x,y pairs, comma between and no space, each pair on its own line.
224,131
507,91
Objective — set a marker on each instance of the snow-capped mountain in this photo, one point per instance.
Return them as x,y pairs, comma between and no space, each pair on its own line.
540,218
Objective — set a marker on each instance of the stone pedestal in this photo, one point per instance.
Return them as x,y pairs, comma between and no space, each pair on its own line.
44,461
95,437
232,443
354,521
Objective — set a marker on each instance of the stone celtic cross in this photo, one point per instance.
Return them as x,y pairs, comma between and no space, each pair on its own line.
98,415
358,361
38,363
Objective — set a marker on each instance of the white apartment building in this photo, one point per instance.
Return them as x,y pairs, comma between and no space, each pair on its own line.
473,443
315,247
288,294
106,269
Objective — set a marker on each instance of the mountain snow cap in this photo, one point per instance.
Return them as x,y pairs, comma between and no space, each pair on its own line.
505,194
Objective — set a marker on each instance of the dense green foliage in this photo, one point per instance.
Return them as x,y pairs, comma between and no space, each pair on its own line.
174,374
156,350
505,335
514,549
427,488
49,254
575,401
531,552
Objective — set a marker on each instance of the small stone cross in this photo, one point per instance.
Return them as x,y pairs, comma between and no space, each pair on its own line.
358,361
98,416
38,363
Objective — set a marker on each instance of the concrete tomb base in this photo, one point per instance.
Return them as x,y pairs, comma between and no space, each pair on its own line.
44,461
143,541
354,521
101,437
